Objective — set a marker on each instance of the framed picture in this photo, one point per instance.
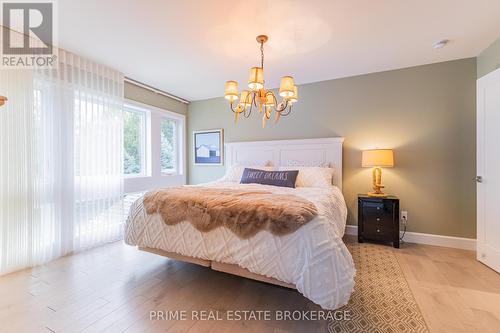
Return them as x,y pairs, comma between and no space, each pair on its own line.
209,147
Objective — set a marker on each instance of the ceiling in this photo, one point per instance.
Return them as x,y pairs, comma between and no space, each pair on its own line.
190,48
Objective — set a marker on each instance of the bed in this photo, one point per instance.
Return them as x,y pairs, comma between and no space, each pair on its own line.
313,259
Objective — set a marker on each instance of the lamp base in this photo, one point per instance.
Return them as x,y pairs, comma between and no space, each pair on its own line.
377,186
377,195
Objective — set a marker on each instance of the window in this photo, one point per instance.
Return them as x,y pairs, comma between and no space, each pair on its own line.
168,146
134,140
154,147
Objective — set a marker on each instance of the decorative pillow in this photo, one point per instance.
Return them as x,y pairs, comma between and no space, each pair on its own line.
313,176
235,172
276,178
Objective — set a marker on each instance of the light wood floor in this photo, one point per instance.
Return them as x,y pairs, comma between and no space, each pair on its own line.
113,288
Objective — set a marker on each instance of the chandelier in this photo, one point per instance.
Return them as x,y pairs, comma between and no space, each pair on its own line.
257,96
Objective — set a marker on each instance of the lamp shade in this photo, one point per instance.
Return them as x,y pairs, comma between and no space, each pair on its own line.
270,99
231,92
256,80
295,97
377,158
246,98
286,86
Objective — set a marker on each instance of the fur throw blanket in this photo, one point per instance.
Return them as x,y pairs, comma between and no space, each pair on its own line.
244,212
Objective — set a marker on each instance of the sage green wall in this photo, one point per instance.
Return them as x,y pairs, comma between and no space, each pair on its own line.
426,113
489,59
146,96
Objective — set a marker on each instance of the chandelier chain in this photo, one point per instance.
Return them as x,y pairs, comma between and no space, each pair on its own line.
262,55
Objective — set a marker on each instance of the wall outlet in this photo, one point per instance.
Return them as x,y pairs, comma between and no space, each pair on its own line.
404,215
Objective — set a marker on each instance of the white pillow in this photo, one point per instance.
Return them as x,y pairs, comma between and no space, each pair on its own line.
234,173
312,176
303,164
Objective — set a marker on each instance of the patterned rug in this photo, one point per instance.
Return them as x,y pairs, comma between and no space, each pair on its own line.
382,300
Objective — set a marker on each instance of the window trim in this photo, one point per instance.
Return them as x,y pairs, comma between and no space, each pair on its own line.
145,140
155,177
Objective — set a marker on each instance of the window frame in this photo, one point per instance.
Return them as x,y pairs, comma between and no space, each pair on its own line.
155,178
145,140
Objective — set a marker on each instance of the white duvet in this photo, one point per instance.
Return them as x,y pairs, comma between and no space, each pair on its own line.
313,258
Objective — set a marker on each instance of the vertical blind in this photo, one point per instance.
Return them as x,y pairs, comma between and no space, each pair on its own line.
61,161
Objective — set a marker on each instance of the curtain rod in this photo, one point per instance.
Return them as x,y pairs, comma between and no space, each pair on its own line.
157,91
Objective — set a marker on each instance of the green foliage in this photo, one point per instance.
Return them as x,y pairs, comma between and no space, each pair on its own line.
132,131
167,145
132,139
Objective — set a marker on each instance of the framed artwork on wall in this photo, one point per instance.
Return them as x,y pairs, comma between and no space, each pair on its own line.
209,147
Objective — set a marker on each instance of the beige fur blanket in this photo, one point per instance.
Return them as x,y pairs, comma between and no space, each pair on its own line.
244,212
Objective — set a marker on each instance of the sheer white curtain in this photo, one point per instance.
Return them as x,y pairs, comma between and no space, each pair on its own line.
61,148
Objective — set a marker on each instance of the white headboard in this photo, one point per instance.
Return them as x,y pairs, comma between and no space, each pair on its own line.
305,152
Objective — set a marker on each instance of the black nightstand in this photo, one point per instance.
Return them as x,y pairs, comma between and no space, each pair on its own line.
378,219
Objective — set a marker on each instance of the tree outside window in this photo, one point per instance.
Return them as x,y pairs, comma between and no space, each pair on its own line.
133,139
168,146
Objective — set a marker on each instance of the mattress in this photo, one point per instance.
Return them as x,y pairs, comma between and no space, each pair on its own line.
313,258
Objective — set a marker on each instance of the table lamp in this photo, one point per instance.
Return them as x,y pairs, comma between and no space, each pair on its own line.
376,159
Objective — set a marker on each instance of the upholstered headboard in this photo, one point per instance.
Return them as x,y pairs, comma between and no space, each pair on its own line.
305,152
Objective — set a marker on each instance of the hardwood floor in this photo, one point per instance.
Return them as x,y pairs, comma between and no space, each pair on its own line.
114,288
455,292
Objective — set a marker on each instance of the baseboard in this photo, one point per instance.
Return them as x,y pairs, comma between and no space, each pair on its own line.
429,239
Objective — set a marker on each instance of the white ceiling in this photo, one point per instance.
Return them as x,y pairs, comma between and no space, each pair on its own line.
190,48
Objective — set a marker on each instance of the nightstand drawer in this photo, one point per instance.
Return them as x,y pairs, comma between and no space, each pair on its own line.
377,208
377,215
376,231
381,221
378,219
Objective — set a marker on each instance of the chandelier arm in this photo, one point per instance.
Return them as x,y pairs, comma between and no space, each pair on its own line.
247,115
287,113
251,95
283,108
232,108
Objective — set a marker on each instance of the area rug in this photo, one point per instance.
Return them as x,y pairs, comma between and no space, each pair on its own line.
382,300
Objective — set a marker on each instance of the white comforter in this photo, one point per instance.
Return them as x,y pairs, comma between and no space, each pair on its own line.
314,258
